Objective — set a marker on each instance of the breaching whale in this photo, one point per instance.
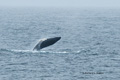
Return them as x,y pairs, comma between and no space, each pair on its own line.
46,42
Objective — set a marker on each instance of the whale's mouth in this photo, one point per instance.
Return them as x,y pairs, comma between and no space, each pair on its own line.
46,43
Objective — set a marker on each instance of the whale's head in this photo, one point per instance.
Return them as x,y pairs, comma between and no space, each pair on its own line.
46,42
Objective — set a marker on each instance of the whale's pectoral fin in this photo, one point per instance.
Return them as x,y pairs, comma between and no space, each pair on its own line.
37,47
46,42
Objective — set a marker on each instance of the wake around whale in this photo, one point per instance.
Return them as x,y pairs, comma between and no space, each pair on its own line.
46,42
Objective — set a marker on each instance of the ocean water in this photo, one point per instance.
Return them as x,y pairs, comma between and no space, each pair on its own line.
88,50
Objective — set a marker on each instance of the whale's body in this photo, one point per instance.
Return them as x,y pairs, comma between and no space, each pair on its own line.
46,42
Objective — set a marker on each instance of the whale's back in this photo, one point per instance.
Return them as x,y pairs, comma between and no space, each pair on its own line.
46,42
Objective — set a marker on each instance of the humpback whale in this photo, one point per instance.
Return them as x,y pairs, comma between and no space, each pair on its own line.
46,42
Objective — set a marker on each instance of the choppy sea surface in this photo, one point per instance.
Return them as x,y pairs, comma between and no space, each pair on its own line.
88,50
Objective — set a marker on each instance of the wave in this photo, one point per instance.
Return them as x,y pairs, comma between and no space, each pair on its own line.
31,51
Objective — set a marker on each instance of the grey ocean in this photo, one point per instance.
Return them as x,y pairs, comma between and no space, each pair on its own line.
88,50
